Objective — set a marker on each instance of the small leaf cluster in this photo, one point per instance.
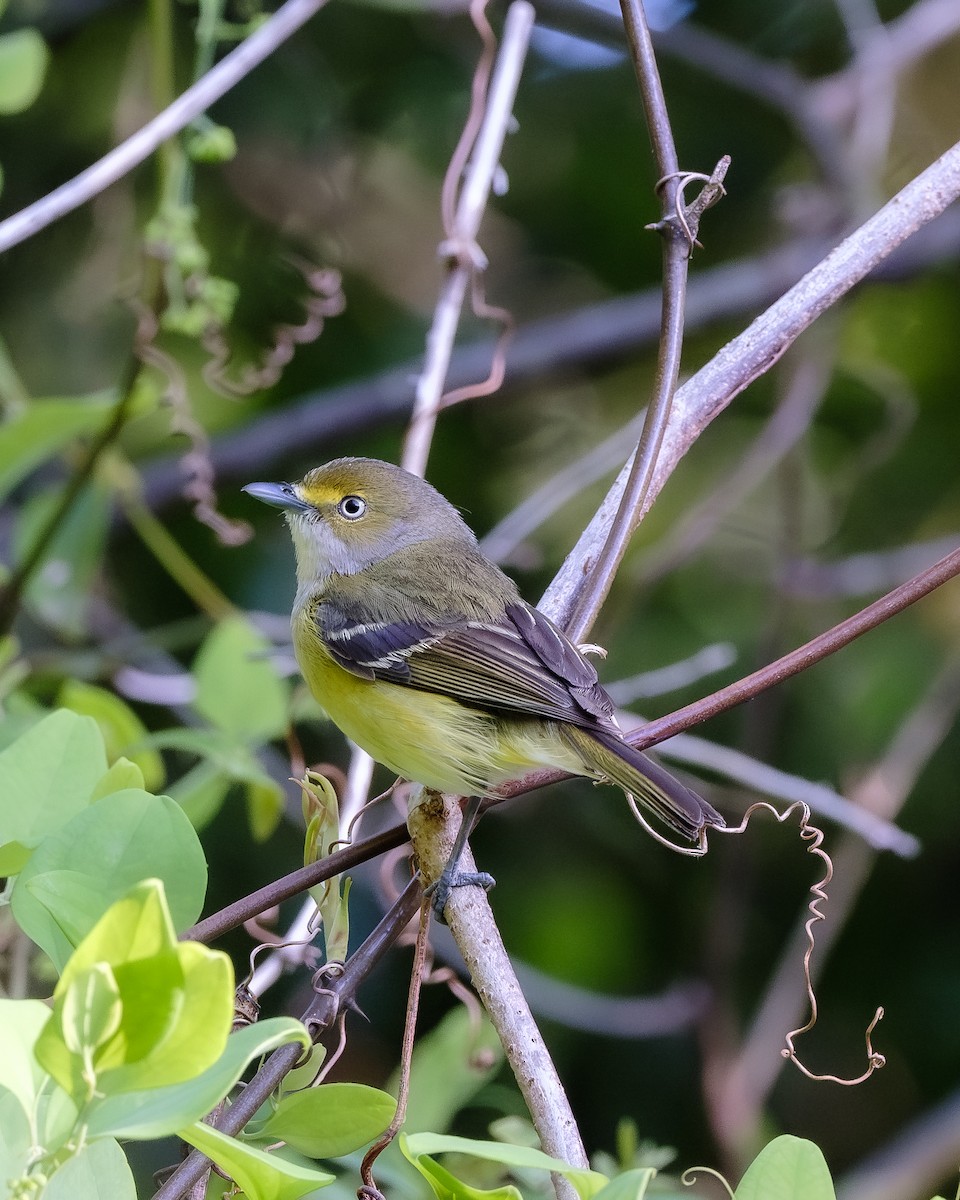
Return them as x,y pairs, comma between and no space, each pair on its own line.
137,1044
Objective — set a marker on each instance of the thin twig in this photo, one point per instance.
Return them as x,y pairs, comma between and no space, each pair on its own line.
186,108
417,971
804,656
460,245
599,575
747,357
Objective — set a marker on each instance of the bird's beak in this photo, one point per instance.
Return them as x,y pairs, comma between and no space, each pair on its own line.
279,495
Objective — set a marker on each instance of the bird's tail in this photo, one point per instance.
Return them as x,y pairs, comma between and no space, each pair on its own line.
676,805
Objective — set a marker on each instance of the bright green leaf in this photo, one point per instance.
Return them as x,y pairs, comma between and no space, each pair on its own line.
264,806
630,1185
788,1168
238,689
91,1009
16,1140
446,1185
97,857
158,1112
23,64
39,431
304,1075
21,1022
175,1003
260,1176
61,591
120,726
587,1183
122,775
98,1172
331,1120
13,858
47,776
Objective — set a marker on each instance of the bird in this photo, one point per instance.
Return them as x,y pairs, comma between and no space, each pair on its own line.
422,651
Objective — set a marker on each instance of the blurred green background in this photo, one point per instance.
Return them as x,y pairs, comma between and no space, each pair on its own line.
342,140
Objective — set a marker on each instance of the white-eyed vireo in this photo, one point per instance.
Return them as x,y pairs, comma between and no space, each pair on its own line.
421,650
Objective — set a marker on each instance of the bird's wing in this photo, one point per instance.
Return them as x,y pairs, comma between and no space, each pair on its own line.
520,664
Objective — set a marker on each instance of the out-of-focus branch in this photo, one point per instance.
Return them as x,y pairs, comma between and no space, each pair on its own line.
186,108
911,1163
807,381
584,339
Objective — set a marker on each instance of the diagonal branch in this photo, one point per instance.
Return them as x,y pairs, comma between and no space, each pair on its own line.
747,357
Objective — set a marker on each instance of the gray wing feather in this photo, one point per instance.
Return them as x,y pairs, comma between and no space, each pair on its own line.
522,664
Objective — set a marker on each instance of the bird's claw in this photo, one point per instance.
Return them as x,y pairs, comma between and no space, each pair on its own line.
439,892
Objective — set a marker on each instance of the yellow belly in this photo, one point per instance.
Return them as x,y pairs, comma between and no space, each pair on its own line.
428,738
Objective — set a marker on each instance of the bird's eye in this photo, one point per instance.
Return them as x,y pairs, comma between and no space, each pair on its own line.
352,507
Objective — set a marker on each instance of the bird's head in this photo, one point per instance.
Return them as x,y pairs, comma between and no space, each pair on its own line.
353,512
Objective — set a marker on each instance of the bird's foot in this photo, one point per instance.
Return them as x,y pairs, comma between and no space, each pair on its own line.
452,877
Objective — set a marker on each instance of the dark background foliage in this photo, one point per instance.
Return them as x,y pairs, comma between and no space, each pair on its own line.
343,137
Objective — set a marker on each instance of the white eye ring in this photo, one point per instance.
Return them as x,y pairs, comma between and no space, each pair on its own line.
352,508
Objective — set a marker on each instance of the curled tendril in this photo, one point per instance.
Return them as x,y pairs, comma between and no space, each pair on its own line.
813,836
697,851
325,299
687,216
199,485
689,1178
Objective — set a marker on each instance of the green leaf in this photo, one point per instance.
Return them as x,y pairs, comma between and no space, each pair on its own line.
98,1172
201,793
172,1005
91,1010
61,591
78,872
630,1185
23,64
788,1168
122,775
260,1176
21,1024
16,1140
264,806
445,1075
238,689
415,1146
120,726
47,776
446,1185
331,1120
158,1112
13,858
45,427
